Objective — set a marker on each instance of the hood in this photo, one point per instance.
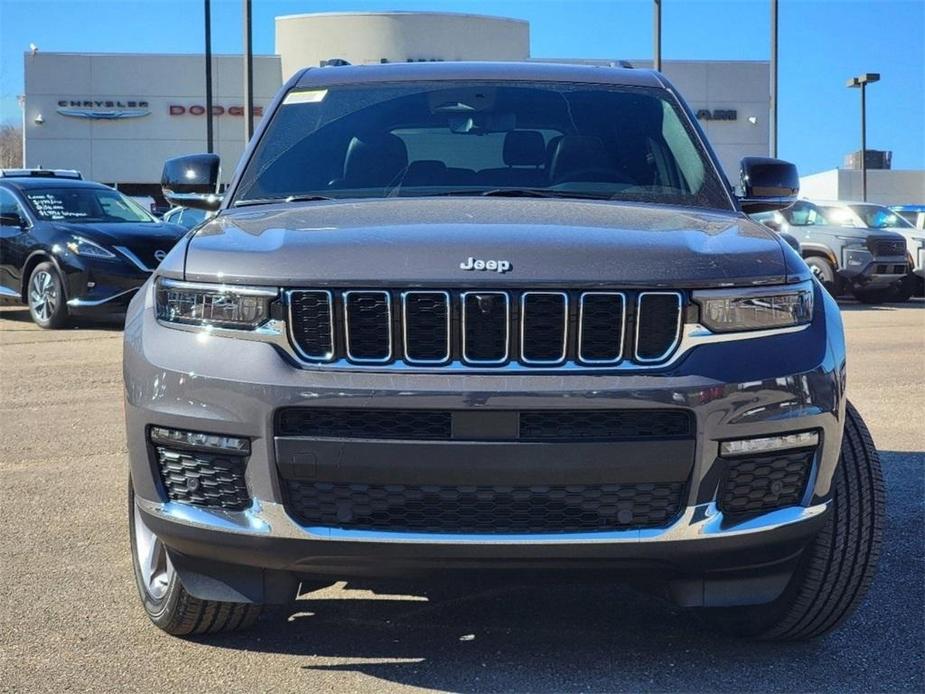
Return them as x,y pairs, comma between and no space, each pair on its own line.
124,233
142,243
407,242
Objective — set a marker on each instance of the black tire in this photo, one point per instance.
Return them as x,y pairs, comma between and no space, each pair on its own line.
824,271
875,296
906,288
175,610
46,298
837,568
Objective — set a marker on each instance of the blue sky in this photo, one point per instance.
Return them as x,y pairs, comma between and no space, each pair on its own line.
823,42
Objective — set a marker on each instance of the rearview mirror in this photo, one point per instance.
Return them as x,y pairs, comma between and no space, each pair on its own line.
768,184
192,181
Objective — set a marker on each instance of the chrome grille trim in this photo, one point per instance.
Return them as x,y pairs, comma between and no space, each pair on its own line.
507,328
324,358
523,327
388,304
404,326
581,315
677,335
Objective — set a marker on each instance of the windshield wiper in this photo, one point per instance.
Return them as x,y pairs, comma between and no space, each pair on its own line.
288,198
523,193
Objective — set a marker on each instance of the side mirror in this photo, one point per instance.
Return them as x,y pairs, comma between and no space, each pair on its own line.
192,181
768,184
12,219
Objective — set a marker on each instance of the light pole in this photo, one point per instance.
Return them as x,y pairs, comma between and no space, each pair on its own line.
657,34
208,22
862,81
773,110
248,74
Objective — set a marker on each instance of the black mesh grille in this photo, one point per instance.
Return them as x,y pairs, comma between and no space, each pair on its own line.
889,246
203,479
658,321
765,482
427,326
602,327
543,317
368,326
484,509
436,425
364,424
605,424
486,326
311,323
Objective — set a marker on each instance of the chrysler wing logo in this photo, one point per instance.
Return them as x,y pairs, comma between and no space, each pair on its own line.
97,114
160,255
486,265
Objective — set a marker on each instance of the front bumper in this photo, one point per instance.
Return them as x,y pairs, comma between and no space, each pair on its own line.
100,286
194,381
863,270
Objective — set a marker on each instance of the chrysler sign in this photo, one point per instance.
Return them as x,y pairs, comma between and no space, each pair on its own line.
103,109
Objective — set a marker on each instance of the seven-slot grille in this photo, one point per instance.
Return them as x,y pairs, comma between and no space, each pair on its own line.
485,328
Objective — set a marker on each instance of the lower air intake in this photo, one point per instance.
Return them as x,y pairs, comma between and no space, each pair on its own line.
484,509
203,479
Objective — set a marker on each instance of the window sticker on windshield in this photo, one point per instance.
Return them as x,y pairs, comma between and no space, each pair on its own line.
307,96
50,206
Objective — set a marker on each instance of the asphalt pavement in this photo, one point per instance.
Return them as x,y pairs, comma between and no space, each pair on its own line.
71,620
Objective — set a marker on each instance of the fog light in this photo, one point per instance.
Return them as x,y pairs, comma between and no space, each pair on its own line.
199,441
803,439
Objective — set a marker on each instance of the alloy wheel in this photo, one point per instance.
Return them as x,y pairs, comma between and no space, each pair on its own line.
43,295
154,567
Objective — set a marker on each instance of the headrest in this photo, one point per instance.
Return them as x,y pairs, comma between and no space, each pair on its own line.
425,172
578,153
524,148
374,161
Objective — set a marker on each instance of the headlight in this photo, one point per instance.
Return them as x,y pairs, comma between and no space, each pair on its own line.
215,305
855,257
78,245
732,310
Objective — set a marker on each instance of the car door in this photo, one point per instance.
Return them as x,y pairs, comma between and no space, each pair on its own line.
14,240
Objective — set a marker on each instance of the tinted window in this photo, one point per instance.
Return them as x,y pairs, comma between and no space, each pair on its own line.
9,205
435,138
803,214
80,205
879,217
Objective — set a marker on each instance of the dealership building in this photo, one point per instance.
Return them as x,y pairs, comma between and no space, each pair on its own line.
117,117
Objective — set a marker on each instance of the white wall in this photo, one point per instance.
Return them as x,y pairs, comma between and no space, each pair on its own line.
369,37
133,150
884,186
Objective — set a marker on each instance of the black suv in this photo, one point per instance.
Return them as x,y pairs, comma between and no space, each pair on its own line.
492,317
73,247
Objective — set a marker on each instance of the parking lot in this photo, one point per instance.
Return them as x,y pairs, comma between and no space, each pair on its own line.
71,619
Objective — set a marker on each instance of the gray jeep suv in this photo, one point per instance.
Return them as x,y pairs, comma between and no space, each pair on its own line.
492,317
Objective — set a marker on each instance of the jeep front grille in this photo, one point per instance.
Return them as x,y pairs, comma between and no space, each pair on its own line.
491,328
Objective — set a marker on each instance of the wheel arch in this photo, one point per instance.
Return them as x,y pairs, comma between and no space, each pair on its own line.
36,257
819,251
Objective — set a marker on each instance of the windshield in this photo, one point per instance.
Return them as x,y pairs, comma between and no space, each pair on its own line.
879,217
82,205
470,138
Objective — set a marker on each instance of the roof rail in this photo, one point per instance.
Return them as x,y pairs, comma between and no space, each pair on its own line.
334,62
42,173
622,63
